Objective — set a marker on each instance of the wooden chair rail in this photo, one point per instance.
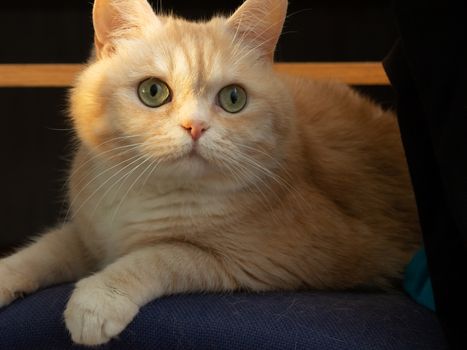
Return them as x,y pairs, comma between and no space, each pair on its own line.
62,75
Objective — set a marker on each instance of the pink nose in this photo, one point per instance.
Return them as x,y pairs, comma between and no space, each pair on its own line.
196,128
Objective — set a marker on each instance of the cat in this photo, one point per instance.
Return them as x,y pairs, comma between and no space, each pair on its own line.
199,168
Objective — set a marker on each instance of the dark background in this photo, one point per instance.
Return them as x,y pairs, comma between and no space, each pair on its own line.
35,143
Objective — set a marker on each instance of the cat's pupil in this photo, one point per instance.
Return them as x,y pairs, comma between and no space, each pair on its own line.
234,96
154,90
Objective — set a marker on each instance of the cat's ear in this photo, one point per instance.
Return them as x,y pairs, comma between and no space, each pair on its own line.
114,19
260,23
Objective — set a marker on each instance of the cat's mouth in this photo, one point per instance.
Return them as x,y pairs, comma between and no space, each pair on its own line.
191,157
195,154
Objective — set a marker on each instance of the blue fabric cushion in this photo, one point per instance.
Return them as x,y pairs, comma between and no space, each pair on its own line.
301,320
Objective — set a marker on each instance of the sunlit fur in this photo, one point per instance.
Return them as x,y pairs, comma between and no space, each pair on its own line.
305,187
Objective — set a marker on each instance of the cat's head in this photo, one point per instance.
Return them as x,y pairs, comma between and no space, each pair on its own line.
190,98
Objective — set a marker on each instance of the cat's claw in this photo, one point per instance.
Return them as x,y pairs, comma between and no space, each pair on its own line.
13,285
95,313
6,296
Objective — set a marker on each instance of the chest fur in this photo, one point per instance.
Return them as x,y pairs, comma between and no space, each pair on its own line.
141,218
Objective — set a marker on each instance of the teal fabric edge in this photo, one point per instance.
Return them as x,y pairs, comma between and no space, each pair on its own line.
417,282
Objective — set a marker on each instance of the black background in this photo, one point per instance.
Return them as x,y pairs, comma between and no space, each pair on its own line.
35,142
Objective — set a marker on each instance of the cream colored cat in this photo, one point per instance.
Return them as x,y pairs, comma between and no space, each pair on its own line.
201,169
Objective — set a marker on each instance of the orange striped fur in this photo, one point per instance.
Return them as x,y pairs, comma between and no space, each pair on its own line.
307,186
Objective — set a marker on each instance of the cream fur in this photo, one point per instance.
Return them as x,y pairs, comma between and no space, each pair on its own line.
306,187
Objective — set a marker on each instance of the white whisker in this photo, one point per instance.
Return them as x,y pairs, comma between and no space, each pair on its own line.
138,158
132,185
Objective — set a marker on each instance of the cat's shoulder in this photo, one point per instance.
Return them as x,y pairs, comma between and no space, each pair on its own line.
323,92
329,99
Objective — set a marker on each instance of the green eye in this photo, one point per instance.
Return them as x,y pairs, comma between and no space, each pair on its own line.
153,92
232,98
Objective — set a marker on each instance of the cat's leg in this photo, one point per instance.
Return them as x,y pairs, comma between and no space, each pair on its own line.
57,256
103,304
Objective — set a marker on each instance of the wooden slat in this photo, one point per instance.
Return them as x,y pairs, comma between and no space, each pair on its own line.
62,75
353,73
38,75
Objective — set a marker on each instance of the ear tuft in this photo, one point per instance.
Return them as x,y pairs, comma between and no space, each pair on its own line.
114,19
260,22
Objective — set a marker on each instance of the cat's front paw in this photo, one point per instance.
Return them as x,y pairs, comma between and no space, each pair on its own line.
13,284
97,312
7,295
